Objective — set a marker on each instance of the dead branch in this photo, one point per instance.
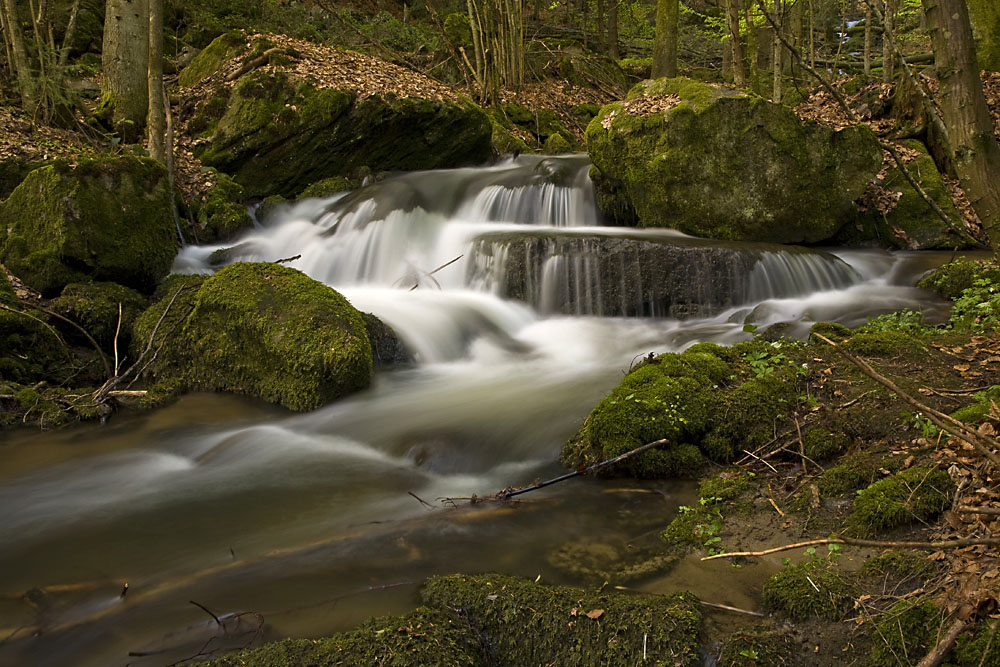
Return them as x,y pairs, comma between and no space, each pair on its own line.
940,652
712,605
994,511
259,61
207,611
984,444
853,542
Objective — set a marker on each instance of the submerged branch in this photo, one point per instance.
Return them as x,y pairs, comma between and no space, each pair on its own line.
853,542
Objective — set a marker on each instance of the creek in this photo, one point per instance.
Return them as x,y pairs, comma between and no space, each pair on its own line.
311,520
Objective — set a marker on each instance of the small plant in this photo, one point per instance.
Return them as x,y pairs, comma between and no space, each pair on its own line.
978,309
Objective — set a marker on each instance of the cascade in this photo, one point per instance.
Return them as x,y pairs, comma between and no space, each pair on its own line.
241,506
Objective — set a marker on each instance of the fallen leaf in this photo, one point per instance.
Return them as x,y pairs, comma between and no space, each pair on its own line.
961,367
595,613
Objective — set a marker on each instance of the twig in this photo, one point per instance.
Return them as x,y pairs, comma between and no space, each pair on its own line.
751,454
855,400
421,500
770,493
287,259
713,605
985,445
802,446
995,511
260,60
207,611
940,652
417,284
850,541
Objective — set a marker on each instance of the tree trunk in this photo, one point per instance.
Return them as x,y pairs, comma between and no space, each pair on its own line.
753,52
601,45
777,47
868,42
613,30
665,41
888,58
156,122
125,56
733,18
25,81
973,147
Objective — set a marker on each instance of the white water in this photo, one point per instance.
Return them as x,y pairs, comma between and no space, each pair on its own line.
498,387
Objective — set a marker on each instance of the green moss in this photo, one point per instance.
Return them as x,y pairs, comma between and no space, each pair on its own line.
917,494
831,330
329,186
221,213
105,219
906,632
900,565
556,144
953,278
821,444
853,473
504,141
978,649
985,18
883,344
793,591
211,58
95,307
978,410
264,330
424,637
727,485
760,646
524,623
457,30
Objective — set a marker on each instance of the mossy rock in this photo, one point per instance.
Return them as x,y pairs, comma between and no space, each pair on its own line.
95,307
221,213
906,632
911,224
917,494
13,170
388,350
851,474
525,623
726,165
556,144
900,565
680,398
276,133
884,344
106,219
29,350
211,58
760,646
953,278
328,187
793,591
981,648
423,637
264,330
821,444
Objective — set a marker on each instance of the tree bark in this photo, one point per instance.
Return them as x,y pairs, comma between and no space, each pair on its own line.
613,30
665,42
156,123
971,142
868,42
25,81
125,57
733,19
888,70
776,50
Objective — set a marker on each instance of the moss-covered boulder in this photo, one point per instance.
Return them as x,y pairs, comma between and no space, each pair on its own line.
953,278
220,213
105,219
29,350
524,623
260,329
708,402
910,223
95,307
906,632
720,164
985,16
13,170
276,131
812,588
759,646
424,637
917,494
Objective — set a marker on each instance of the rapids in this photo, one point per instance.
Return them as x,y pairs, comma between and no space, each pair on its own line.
310,520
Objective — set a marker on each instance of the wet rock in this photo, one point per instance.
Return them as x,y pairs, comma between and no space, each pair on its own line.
95,307
264,330
387,348
720,164
645,274
221,213
106,219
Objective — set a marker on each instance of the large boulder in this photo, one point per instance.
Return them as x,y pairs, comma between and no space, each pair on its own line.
720,164
260,329
276,129
897,217
104,219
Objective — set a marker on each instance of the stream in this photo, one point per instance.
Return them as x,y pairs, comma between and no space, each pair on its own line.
305,524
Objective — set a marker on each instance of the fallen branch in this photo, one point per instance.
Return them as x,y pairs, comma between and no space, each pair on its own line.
940,652
850,541
712,605
259,61
995,511
984,444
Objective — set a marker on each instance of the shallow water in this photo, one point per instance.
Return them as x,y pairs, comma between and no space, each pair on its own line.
315,521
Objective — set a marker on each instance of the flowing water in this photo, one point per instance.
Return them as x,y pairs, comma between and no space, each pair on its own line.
520,312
